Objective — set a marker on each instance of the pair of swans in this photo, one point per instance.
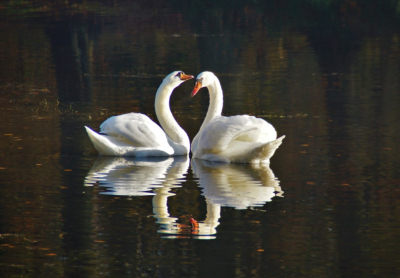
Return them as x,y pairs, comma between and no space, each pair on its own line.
244,139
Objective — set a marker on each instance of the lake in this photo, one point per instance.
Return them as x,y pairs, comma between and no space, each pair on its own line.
324,73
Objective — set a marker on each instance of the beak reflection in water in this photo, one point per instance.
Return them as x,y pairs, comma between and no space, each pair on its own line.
240,186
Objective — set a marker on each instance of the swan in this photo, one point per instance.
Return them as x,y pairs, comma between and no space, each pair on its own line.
135,134
242,139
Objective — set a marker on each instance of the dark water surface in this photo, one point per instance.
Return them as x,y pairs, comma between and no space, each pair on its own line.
325,73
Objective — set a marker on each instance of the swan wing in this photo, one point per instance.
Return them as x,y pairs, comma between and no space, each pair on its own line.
135,129
221,131
261,132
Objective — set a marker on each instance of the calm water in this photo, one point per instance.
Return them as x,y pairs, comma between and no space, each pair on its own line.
326,75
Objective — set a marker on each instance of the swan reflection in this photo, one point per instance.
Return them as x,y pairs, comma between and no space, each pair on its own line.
128,176
223,184
239,186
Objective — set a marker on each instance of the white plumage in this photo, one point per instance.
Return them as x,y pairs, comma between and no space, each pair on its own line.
243,138
135,134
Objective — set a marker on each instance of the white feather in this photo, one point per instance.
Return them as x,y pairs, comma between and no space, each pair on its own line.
135,134
243,138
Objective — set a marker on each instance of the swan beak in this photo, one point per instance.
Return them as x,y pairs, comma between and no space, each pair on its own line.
197,87
185,77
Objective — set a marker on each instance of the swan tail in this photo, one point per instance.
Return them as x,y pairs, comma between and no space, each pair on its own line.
263,153
101,143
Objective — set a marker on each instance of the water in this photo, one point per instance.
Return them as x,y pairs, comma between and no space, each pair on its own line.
325,75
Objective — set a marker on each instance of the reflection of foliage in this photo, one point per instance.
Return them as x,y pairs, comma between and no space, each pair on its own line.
53,8
306,12
336,61
367,15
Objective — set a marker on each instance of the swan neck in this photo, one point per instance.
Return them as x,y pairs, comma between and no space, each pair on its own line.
216,102
165,117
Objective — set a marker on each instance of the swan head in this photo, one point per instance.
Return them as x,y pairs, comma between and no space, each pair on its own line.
177,77
204,79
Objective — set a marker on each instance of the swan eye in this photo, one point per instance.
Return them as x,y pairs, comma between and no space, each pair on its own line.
179,74
197,81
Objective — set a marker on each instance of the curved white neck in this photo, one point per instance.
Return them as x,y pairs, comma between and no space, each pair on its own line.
165,117
216,102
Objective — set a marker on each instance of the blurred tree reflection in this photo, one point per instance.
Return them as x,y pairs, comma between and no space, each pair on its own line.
325,73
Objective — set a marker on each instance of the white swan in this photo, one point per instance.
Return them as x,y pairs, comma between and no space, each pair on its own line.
243,139
135,134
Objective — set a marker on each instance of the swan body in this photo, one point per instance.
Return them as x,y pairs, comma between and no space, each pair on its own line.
135,134
242,139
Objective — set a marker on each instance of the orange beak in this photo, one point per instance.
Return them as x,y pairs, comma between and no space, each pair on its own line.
185,77
197,87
